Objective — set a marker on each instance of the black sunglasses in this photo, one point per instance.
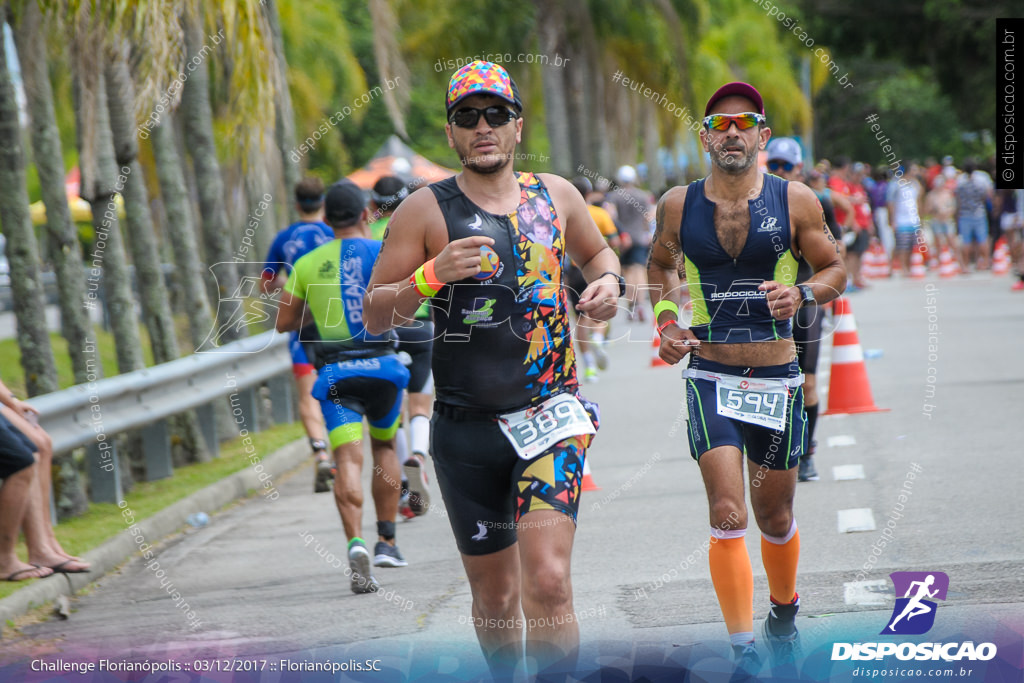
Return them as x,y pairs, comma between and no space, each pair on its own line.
468,117
786,166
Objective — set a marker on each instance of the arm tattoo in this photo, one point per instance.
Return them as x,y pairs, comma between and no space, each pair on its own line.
828,233
659,226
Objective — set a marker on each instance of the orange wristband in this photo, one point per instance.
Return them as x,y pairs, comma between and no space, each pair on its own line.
424,279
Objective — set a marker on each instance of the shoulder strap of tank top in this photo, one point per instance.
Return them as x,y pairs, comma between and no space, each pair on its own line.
693,191
445,189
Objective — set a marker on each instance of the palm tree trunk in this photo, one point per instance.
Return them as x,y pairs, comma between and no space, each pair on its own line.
391,68
550,28
197,115
65,249
179,219
284,115
108,251
156,305
22,250
156,309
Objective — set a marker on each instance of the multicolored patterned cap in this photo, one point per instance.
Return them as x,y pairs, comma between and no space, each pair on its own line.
482,78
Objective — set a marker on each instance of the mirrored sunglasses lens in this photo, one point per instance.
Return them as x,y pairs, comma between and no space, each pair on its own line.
497,116
466,118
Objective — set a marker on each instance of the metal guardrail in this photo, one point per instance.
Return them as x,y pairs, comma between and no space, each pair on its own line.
92,414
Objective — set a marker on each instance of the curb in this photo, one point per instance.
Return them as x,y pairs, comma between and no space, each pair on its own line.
122,547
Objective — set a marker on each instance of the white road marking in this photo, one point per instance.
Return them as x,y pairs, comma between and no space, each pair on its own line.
856,519
841,440
877,592
847,472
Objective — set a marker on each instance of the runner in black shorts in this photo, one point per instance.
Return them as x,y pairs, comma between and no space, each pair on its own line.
503,344
741,233
785,159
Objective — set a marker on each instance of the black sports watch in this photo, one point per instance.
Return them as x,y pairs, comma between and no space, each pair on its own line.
622,281
806,295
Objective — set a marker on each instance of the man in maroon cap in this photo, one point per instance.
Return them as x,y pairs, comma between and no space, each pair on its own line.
510,431
739,233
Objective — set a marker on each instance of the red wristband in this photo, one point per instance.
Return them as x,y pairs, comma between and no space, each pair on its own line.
661,327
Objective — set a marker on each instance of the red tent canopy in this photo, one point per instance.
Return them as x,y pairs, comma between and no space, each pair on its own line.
396,158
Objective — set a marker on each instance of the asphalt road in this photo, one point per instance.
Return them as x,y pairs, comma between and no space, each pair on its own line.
260,580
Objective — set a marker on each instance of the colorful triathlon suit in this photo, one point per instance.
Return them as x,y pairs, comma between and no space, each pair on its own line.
359,373
295,241
757,410
503,344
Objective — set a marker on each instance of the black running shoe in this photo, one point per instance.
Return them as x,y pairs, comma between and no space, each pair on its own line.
781,634
387,555
806,470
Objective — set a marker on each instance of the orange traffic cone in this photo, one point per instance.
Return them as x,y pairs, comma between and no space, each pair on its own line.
588,479
1001,258
656,361
947,266
917,269
869,264
848,387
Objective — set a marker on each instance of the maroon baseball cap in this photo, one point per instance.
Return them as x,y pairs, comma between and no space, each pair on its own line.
737,88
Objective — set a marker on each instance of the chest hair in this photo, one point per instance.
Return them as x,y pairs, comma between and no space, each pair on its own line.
732,223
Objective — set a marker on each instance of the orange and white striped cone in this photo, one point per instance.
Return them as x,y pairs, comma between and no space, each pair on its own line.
848,388
947,265
917,269
656,361
588,479
869,264
1001,258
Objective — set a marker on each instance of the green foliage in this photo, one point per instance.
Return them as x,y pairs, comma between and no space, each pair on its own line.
916,116
952,40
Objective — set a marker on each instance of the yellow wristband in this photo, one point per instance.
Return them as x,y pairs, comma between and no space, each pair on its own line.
425,280
665,305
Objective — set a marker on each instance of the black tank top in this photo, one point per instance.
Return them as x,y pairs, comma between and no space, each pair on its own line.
503,339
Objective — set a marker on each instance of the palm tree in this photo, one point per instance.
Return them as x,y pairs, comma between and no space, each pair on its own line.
22,251
390,64
284,115
100,185
197,114
49,159
176,201
156,308
551,16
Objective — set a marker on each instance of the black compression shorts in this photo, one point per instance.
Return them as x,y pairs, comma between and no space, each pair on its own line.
487,487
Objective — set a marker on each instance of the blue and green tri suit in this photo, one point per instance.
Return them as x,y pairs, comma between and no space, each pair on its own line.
729,308
358,373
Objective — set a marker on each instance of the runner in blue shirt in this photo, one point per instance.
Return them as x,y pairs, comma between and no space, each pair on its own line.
294,241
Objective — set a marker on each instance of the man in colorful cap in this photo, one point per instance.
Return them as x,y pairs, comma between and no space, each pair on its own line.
740,233
509,431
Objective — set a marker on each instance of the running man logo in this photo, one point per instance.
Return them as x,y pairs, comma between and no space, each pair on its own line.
914,614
